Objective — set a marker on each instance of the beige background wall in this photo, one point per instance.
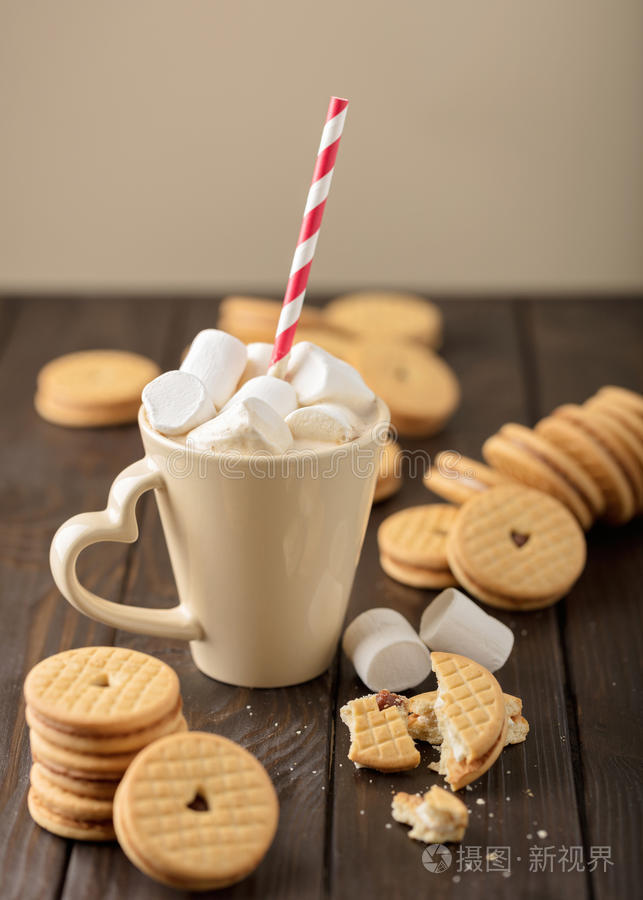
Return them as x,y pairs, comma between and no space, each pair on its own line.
490,144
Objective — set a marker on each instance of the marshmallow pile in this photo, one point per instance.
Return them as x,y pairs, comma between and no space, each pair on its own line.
223,399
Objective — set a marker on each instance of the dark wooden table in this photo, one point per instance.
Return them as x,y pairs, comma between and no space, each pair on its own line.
566,803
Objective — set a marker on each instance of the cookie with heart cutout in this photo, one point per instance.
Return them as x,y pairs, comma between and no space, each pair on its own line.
516,548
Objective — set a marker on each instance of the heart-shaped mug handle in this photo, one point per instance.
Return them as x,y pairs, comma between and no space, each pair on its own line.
117,522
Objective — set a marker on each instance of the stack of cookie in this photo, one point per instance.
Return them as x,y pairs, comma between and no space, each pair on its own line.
93,388
90,712
390,338
589,457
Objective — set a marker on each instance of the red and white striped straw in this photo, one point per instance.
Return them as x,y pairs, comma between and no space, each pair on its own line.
308,234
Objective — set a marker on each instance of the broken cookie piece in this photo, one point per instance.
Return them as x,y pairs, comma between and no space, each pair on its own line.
423,723
380,737
471,717
438,817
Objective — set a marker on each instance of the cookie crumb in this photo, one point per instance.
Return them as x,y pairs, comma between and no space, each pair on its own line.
542,834
456,879
388,825
480,801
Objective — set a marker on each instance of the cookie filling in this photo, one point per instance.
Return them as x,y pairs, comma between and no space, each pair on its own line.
385,699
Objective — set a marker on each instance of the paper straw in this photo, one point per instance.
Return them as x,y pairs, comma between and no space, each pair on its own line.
308,234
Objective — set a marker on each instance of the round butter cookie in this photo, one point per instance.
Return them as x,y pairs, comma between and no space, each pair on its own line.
418,386
383,314
102,690
107,744
417,536
67,803
63,826
456,478
196,811
516,548
93,387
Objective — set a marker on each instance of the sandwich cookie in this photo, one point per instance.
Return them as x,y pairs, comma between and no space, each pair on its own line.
412,544
423,722
623,398
375,315
471,717
516,548
530,459
93,388
418,386
196,811
456,478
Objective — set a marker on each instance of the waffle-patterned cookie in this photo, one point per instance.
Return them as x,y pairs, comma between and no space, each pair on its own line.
516,548
110,744
531,460
79,765
379,737
597,461
83,787
423,722
196,811
66,827
456,478
417,576
418,536
436,818
471,716
102,690
67,803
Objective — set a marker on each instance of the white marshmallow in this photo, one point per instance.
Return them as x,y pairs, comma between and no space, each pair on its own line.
218,359
258,361
324,422
276,393
386,651
176,401
455,624
247,426
319,377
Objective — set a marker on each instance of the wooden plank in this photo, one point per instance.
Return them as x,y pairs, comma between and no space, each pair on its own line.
579,347
286,729
369,859
47,475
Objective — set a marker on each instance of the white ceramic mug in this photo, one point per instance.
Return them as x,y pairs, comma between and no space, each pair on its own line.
263,550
